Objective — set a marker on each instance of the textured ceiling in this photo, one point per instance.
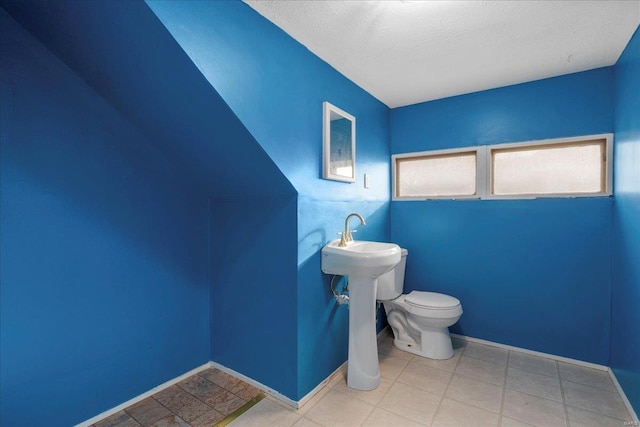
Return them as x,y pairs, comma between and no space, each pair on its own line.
404,52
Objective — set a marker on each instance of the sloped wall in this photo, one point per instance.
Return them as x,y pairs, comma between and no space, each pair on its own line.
625,316
103,268
123,52
276,87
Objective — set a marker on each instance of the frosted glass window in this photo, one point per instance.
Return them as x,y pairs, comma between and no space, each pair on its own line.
445,175
570,168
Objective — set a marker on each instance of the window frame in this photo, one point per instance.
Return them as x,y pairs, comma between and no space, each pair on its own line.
437,153
484,169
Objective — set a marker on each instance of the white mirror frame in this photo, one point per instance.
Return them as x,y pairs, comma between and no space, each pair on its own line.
327,173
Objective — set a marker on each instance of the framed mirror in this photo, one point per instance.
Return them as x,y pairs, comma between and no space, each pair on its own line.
339,144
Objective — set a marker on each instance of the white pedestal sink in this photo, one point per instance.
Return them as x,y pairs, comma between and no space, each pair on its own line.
363,262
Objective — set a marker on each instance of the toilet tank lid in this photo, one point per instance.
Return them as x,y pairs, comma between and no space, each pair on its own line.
431,300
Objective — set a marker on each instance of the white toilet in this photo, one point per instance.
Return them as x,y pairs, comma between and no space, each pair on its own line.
420,320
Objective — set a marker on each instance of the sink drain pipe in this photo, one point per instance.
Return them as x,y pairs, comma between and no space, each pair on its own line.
342,297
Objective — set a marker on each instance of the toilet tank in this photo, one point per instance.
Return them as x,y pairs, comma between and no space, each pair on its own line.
391,284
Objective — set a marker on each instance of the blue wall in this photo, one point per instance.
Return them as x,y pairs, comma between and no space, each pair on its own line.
625,331
253,292
276,87
103,265
530,273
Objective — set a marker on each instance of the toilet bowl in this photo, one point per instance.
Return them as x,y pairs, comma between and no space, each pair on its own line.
419,320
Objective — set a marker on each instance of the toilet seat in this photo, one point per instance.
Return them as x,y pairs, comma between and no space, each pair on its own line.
432,305
431,300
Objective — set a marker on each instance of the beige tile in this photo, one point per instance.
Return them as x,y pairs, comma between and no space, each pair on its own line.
586,376
481,370
386,348
170,421
381,418
456,414
305,422
536,384
510,422
181,403
339,409
337,378
475,392
266,413
594,399
119,419
372,396
486,352
533,410
391,366
147,411
314,400
582,418
425,378
445,365
409,402
531,363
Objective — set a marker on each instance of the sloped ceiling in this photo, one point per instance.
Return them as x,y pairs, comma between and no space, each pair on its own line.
409,51
126,55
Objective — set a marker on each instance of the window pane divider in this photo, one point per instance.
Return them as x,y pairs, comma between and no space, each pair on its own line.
484,165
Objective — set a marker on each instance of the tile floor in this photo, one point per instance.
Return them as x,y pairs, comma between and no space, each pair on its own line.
480,386
201,400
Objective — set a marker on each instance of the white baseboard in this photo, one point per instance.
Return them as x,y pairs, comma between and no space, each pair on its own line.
626,401
307,397
268,390
533,352
298,404
142,396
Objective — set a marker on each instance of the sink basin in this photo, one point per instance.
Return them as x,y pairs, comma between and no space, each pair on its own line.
359,258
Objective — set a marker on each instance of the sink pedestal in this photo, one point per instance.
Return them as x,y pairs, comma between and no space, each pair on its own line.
363,262
362,370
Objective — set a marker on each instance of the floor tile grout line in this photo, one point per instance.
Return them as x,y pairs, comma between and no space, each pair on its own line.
435,413
564,400
591,386
229,391
485,360
196,397
373,408
504,389
591,411
534,372
168,409
415,360
444,393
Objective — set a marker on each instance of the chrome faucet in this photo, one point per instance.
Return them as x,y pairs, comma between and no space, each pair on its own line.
346,235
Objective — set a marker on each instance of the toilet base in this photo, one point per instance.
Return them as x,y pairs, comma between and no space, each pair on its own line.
435,343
